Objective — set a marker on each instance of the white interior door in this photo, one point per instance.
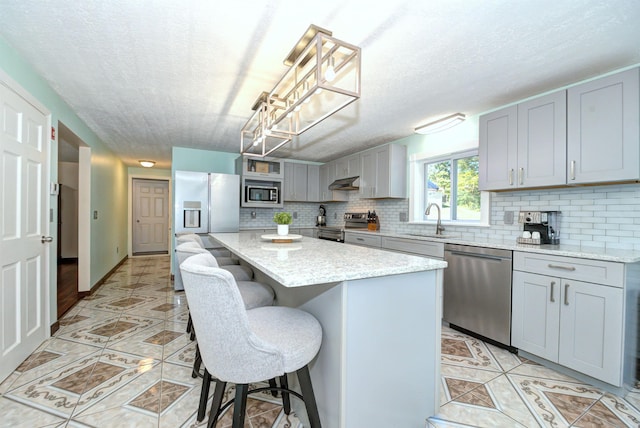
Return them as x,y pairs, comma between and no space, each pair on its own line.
24,262
150,216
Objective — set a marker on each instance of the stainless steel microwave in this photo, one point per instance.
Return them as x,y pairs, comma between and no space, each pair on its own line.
262,194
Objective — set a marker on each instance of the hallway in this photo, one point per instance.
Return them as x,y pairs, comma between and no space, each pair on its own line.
122,358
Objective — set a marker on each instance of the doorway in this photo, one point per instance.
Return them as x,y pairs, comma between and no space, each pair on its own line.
67,262
150,217
74,162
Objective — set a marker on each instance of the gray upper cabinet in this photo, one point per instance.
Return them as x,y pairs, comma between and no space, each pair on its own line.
603,130
383,172
328,176
542,141
313,183
301,182
498,149
524,146
586,134
348,166
295,182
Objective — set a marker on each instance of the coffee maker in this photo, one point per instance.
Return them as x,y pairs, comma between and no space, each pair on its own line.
540,227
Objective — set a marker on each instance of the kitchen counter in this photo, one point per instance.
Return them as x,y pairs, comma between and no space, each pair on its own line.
381,317
621,256
314,261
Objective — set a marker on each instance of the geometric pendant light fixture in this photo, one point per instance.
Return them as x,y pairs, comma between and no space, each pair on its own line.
323,78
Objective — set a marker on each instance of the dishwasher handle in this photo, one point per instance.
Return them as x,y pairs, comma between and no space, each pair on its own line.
477,255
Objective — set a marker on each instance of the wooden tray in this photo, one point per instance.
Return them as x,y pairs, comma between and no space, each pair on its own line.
281,239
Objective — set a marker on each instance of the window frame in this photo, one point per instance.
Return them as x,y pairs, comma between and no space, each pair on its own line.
418,192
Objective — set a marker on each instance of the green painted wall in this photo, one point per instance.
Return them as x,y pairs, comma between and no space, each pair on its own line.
183,159
108,174
149,172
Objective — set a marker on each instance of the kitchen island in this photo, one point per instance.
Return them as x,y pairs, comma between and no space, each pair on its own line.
379,364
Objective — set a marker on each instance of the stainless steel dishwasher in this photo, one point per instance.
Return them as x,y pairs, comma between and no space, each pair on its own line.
477,291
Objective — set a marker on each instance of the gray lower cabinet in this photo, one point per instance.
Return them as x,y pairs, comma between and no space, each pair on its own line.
414,246
362,239
570,311
311,232
603,130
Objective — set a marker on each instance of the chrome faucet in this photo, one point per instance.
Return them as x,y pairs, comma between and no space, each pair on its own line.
439,227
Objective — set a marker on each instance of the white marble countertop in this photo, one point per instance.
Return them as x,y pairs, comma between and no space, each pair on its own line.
621,256
313,261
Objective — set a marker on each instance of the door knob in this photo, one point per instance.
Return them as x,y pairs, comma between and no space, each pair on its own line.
46,239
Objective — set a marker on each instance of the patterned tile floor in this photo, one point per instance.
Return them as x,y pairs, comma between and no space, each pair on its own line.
122,359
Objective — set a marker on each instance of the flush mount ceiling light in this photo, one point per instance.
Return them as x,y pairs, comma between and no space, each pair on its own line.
323,78
440,124
147,163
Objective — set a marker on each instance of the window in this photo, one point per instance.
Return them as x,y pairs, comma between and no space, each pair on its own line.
450,182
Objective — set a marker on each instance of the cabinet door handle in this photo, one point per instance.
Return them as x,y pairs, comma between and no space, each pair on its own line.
520,176
551,298
511,177
569,268
360,239
566,294
572,169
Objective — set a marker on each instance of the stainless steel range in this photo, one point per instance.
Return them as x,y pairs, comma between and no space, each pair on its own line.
336,233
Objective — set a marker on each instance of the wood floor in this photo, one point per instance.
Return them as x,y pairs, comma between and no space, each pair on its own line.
67,285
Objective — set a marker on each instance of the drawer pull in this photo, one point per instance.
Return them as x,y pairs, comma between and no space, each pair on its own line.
551,298
569,268
360,239
566,294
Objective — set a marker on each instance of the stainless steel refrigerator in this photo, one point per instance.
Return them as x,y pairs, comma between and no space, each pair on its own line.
205,203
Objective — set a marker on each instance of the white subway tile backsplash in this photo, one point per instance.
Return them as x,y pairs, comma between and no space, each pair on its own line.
593,216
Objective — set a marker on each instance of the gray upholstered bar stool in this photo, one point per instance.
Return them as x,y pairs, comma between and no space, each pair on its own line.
254,294
189,248
247,346
222,255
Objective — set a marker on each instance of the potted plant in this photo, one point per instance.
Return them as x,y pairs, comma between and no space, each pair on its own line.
283,220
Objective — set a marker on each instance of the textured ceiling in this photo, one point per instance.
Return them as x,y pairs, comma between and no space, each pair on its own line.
149,75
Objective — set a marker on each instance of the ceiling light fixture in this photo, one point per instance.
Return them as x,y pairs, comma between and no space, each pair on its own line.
440,124
147,163
323,78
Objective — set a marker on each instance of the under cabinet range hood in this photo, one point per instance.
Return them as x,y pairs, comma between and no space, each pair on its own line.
351,183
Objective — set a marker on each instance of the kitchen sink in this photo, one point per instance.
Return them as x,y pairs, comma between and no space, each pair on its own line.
428,235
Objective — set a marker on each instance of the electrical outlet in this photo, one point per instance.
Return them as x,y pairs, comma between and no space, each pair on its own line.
335,216
508,217
295,215
403,216
254,215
